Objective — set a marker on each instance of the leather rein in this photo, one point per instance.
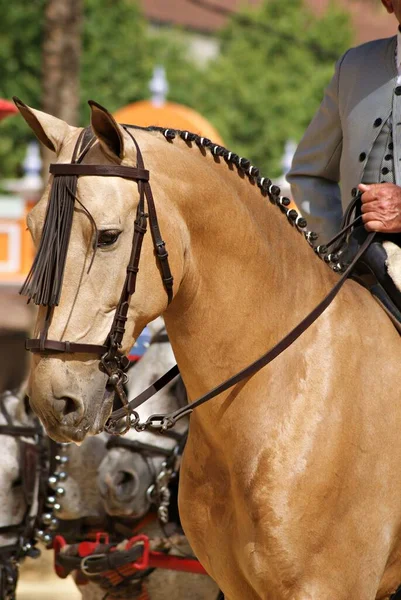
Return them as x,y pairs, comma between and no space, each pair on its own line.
112,361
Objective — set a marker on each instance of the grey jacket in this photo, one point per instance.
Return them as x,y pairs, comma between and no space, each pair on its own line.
334,150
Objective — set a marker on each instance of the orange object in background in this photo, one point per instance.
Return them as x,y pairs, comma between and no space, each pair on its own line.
169,114
7,108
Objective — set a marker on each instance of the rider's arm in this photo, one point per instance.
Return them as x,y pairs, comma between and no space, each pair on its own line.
315,170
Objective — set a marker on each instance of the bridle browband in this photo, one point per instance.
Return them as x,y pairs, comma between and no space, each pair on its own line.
112,362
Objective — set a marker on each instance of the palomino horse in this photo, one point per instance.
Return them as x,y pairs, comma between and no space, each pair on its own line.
289,484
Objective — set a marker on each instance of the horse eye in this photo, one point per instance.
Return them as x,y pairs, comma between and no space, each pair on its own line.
107,237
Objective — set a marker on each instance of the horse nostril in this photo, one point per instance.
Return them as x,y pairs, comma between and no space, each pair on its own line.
68,410
125,483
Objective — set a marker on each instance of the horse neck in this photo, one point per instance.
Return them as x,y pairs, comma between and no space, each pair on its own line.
250,277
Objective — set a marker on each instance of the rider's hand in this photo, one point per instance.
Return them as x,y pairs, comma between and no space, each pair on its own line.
381,207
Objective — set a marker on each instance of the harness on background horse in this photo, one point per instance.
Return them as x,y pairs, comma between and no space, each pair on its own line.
112,552
33,480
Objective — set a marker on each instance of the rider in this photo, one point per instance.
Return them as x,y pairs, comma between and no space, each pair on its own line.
355,138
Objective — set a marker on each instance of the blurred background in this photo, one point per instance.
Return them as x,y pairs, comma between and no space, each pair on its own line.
246,73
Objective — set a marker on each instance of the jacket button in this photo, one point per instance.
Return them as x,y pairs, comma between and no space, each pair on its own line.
362,155
354,192
378,122
397,90
388,157
385,170
391,146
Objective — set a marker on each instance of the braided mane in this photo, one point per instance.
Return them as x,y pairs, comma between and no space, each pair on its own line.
266,186
244,166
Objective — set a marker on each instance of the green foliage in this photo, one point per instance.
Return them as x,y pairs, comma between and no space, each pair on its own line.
261,90
268,80
21,27
118,56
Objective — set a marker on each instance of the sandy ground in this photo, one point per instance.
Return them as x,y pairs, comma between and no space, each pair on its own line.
38,581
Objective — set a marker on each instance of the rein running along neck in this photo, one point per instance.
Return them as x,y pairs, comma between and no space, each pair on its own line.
33,480
112,361
44,281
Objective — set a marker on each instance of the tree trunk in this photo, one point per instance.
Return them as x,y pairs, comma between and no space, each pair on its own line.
60,63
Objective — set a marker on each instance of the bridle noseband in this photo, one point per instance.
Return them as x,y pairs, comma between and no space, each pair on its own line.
112,362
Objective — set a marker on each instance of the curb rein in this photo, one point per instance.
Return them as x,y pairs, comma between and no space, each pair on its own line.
112,362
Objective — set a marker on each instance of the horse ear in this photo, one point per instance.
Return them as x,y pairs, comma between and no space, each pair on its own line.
107,130
49,130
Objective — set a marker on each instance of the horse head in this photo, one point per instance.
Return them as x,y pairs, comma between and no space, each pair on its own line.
84,254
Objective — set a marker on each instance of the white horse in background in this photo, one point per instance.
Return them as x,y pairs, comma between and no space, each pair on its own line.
13,504
126,475
81,497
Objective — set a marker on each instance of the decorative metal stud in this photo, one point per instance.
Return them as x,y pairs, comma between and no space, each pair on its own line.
60,491
50,500
47,538
56,507
54,524
62,476
47,518
53,480
61,459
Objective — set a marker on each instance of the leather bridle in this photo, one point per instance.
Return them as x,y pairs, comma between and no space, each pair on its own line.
112,362
34,471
